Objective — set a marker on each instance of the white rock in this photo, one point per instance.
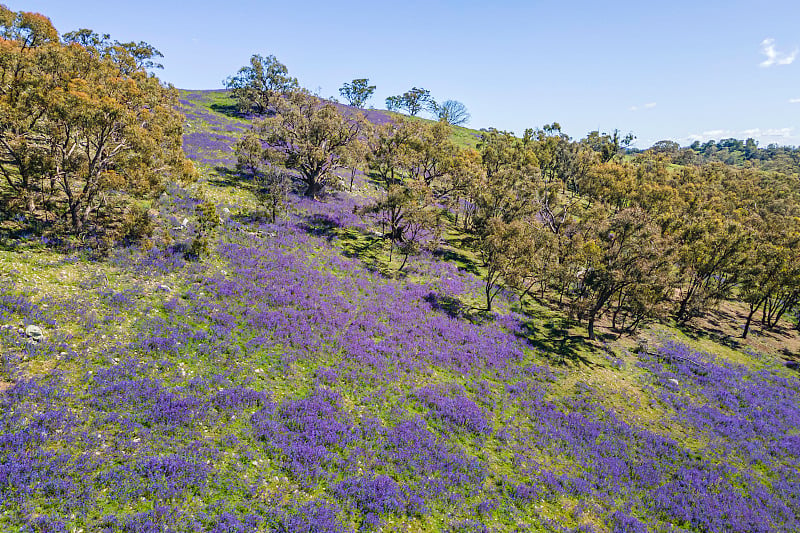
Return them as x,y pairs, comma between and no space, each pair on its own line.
34,333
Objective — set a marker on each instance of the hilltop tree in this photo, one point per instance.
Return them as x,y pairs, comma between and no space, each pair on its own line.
412,101
393,103
131,56
452,112
357,92
255,86
311,136
561,161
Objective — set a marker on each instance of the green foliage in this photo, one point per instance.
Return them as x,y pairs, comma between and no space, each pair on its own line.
83,127
272,190
412,101
608,146
310,136
137,226
627,264
256,85
407,208
207,220
357,92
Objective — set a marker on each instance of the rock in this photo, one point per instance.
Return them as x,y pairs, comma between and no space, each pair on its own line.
34,334
673,381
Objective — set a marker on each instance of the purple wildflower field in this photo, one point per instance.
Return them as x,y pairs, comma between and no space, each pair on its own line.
284,385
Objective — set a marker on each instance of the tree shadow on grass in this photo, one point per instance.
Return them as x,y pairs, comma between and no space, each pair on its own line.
320,225
231,110
716,335
14,238
553,339
355,243
22,232
230,177
455,308
461,260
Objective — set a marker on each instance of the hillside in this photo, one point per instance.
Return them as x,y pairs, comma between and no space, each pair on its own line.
292,380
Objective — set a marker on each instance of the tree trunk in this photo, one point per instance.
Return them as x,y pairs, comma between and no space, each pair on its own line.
747,322
313,187
590,326
30,201
693,286
682,310
405,258
75,217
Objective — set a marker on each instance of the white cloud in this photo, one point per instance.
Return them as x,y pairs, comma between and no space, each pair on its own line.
768,134
650,105
794,100
783,133
774,57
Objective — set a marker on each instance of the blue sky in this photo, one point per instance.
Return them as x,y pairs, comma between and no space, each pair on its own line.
679,70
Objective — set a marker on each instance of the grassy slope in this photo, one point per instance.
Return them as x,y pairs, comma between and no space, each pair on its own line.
93,312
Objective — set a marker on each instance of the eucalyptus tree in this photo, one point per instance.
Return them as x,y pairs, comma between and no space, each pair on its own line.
83,123
256,86
29,41
308,135
627,258
357,92
412,101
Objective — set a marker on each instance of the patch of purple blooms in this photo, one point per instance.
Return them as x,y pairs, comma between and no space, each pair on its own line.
452,405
